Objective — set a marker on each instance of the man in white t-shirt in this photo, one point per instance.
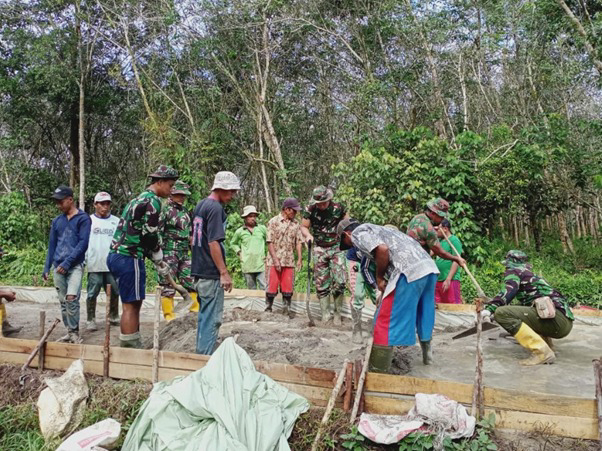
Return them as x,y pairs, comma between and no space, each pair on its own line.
99,276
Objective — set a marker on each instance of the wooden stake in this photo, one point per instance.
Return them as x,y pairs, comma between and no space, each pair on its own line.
598,383
155,373
360,383
330,405
39,345
43,347
477,394
348,387
107,344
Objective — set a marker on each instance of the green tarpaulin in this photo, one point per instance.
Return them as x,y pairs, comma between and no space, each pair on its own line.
226,405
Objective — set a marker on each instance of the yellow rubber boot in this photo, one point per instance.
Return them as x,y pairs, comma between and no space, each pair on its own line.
195,302
167,305
532,341
2,317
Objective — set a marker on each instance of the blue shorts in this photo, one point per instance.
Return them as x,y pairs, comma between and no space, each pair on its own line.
130,274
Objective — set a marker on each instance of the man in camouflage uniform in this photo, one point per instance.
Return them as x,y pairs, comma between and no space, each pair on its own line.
176,230
522,321
422,229
323,215
137,237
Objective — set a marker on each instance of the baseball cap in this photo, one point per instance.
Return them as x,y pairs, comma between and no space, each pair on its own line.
102,197
291,202
61,192
344,225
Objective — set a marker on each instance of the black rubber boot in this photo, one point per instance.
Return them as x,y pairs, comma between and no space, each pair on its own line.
381,358
268,304
287,307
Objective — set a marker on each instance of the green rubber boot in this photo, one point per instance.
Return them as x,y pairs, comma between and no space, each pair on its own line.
381,358
130,340
338,305
427,352
325,308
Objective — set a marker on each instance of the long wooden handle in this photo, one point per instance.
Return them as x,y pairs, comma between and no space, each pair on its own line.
40,344
360,384
480,291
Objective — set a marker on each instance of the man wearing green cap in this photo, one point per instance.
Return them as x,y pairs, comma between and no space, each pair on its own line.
422,229
176,230
543,312
322,216
137,237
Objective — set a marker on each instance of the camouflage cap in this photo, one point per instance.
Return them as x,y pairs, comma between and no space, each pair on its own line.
321,194
181,188
165,172
438,206
225,180
516,258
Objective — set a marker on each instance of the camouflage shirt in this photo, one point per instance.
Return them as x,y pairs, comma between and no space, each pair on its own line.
175,227
522,284
421,229
324,222
137,234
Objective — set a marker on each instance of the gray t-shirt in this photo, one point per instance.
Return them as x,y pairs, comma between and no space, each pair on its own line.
406,256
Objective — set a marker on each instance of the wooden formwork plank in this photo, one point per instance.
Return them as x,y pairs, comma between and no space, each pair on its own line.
567,426
494,397
297,374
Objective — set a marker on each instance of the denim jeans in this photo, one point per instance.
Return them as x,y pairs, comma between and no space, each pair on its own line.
70,284
96,281
211,300
255,279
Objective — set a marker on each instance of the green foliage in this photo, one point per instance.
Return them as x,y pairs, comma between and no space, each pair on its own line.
19,225
354,441
23,266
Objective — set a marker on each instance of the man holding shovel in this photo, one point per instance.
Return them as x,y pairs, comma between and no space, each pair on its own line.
543,312
406,275
448,289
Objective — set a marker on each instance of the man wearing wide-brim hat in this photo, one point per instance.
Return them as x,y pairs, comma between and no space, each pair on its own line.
138,237
209,258
175,225
249,244
322,216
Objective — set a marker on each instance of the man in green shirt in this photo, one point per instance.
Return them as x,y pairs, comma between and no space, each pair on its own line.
448,290
249,244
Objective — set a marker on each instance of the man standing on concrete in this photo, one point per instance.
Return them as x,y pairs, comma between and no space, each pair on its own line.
284,237
422,229
406,275
249,244
322,216
137,237
99,276
175,226
209,258
543,313
68,241
6,328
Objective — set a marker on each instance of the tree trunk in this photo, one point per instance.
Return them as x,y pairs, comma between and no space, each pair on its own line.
536,227
525,223
264,176
82,158
578,221
515,229
73,146
565,238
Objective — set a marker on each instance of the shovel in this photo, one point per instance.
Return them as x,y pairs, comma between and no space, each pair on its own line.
308,293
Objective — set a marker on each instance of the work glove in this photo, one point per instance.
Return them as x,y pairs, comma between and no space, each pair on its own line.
157,256
486,316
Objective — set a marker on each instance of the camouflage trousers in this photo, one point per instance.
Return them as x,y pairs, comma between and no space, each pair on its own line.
329,270
179,265
358,287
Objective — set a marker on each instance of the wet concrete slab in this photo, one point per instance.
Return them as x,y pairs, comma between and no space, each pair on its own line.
571,374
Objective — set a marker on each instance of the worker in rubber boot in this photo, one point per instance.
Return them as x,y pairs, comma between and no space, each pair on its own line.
361,284
533,327
67,244
406,275
249,244
103,228
422,229
138,237
175,226
7,295
284,238
5,328
322,216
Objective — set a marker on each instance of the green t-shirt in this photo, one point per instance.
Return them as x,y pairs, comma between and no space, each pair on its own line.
445,265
